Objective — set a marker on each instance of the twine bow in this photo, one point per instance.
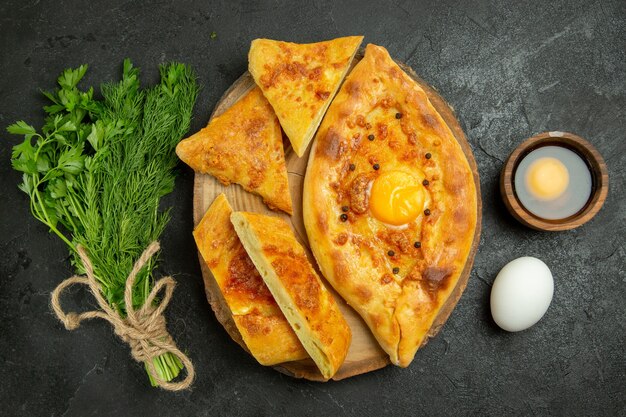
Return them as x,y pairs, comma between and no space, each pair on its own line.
144,330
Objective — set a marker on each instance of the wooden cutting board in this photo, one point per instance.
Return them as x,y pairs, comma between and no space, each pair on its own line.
364,354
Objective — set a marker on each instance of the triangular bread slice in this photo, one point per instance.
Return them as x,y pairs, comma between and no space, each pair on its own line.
308,306
260,322
243,145
300,80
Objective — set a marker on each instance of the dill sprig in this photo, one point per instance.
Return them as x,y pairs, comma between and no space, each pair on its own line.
98,169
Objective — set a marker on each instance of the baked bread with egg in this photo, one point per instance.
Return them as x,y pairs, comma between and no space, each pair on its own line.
307,304
389,203
300,80
243,145
258,319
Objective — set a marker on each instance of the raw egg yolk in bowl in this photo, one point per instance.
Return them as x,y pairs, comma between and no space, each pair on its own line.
547,178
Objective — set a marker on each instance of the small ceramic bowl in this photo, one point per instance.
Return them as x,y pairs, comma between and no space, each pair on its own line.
594,161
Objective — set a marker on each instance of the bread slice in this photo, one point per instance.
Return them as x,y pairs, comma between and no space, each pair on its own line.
263,327
300,80
244,145
308,306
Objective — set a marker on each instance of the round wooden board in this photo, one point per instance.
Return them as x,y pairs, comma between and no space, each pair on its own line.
364,354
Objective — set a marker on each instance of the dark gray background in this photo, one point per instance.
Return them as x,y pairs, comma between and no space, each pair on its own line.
510,69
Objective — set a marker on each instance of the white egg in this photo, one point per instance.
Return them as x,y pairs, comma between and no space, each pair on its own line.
521,293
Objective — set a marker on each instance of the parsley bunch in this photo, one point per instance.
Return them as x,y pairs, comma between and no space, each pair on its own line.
97,169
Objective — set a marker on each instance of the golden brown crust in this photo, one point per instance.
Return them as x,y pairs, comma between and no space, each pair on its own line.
379,99
307,304
262,325
243,145
300,80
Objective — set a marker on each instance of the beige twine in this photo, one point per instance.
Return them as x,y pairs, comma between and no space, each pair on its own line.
143,330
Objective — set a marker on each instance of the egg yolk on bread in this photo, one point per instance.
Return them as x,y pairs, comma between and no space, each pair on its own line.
396,198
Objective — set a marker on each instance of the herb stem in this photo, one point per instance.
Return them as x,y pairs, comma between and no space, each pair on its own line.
69,218
49,223
44,142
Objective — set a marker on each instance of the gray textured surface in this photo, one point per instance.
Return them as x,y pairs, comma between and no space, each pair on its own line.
510,69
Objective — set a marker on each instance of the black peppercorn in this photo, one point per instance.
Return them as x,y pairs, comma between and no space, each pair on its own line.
370,137
391,253
396,270
352,167
428,155
345,209
343,217
425,183
417,245
376,167
398,115
427,212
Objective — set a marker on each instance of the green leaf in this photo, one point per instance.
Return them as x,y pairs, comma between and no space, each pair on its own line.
23,157
54,173
43,163
55,108
72,161
27,184
70,180
69,98
23,150
70,77
130,74
86,100
57,188
96,136
57,120
60,139
28,166
50,96
21,128
68,126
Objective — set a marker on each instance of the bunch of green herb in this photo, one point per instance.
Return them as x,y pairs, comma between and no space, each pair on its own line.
97,169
